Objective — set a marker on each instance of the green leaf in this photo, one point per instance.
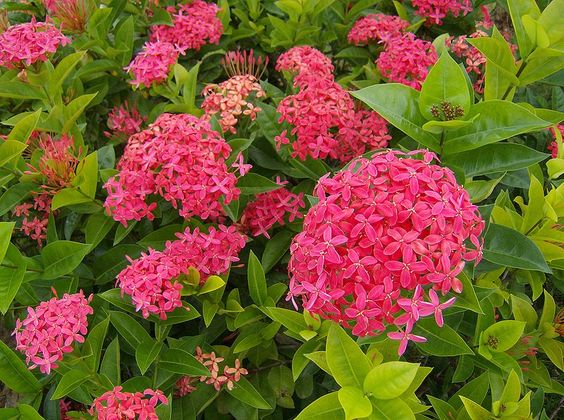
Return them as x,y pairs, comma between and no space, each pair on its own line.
292,320
476,390
19,90
75,109
180,361
94,342
443,409
495,158
27,412
146,354
62,257
245,392
212,283
87,175
468,298
255,184
110,365
509,248
6,229
327,407
518,9
391,410
441,341
495,121
475,411
9,150
398,104
97,227
524,311
446,82
62,71
502,335
554,350
68,197
14,374
14,195
391,379
548,310
257,280
132,332
512,389
69,382
349,365
354,402
275,249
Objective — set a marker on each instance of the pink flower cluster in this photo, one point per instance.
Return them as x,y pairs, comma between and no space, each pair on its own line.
406,59
193,25
72,14
178,157
384,229
123,122
270,208
379,27
553,146
230,375
51,328
324,119
436,10
475,61
117,405
306,63
151,282
34,225
24,44
231,100
152,65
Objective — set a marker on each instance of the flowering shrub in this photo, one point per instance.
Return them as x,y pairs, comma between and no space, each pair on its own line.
281,209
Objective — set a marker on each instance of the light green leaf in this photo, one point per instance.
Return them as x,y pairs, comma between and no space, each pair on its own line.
391,379
68,197
327,407
475,411
292,320
6,229
391,410
349,365
502,335
354,402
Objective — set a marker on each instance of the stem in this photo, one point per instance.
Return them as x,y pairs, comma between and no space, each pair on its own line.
519,71
442,144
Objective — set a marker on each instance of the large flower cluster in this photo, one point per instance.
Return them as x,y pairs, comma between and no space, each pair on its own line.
377,27
193,25
152,65
384,229
151,282
230,375
24,44
51,328
270,208
406,59
306,63
117,404
123,122
231,100
437,10
178,157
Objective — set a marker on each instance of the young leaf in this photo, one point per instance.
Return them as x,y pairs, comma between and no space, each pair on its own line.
354,402
391,379
475,411
502,335
327,407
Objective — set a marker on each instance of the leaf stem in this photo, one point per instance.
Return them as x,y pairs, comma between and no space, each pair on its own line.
511,85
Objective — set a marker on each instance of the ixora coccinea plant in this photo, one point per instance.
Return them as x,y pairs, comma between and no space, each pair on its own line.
281,209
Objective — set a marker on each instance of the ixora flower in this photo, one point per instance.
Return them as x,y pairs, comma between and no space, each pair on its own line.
437,10
270,208
180,158
306,63
193,25
50,329
386,235
553,145
124,122
377,27
150,280
406,60
35,217
27,43
116,404
152,65
73,14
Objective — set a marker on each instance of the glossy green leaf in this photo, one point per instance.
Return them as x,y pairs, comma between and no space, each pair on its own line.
256,280
69,382
255,184
524,311
518,9
292,320
554,350
275,249
14,374
348,363
131,331
327,407
475,390
180,361
14,195
94,343
62,71
146,353
68,197
502,335
9,150
391,410
441,341
19,90
245,392
97,227
6,229
391,379
354,402
475,411
110,365
62,257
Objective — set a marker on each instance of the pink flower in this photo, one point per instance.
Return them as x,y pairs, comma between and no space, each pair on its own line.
306,63
270,208
386,235
193,25
73,14
124,122
151,280
26,43
376,27
232,99
51,328
152,65
406,60
436,10
180,158
553,146
115,404
404,337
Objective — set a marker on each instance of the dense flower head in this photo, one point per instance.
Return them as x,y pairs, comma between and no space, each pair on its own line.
124,121
553,146
27,43
152,65
270,208
406,60
151,280
307,63
386,235
437,10
51,328
179,157
326,124
231,99
116,405
377,27
193,25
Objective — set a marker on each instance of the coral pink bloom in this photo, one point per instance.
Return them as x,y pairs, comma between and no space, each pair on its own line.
124,122
553,146
386,235
306,63
193,25
116,405
152,65
376,27
51,328
436,10
404,337
27,43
